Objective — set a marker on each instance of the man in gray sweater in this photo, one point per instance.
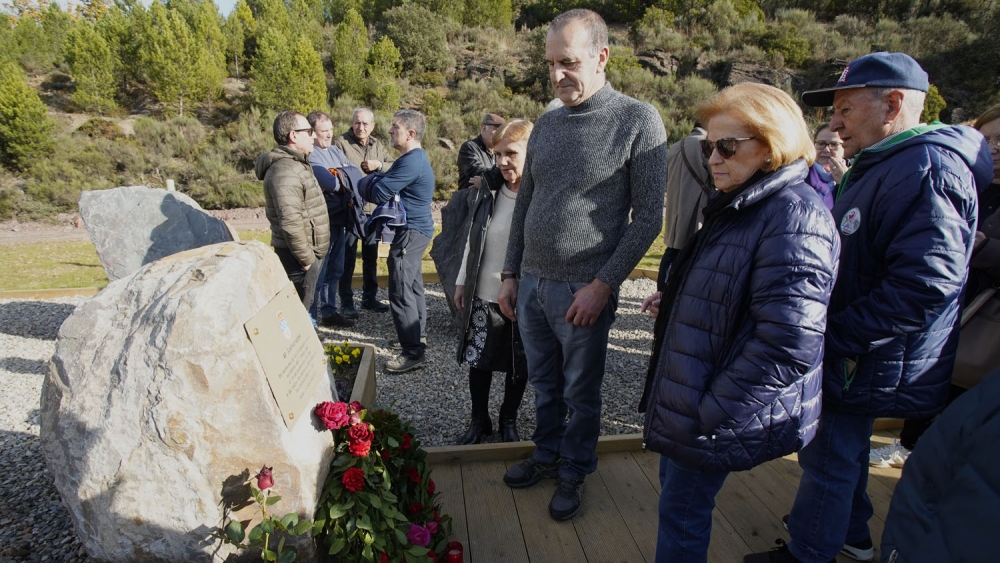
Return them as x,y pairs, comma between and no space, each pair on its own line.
589,206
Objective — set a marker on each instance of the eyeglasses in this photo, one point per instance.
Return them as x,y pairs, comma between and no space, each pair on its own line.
993,142
726,147
823,145
493,125
309,129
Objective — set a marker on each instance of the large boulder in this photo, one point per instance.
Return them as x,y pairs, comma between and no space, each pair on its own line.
156,398
133,226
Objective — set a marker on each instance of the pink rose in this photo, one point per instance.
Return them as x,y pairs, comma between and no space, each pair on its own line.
265,480
332,415
418,535
432,527
356,406
355,418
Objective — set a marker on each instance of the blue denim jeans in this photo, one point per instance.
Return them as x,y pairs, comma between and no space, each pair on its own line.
325,304
566,368
832,505
687,499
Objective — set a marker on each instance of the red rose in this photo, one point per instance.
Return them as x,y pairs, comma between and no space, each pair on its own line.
356,406
416,508
385,455
384,559
437,517
353,479
265,480
332,415
406,441
413,474
432,527
360,438
432,555
431,487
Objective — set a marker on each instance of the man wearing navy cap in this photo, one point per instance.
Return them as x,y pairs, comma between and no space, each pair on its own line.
906,211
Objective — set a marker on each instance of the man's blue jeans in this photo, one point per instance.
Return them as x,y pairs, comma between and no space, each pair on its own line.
566,368
687,498
832,505
325,304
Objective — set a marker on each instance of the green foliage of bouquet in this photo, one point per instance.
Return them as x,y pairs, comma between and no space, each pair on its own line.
378,503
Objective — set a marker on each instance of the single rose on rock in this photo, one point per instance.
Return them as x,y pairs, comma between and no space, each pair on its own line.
265,479
432,527
353,479
413,474
418,535
333,415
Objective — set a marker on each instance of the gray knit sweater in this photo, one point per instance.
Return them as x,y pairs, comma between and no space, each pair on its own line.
588,166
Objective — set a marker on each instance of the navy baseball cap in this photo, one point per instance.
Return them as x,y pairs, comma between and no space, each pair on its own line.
877,70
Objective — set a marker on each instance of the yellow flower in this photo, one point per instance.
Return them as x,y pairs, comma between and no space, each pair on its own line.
339,360
337,349
345,344
356,352
346,358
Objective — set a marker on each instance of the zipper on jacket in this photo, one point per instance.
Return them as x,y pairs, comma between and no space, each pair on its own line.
850,373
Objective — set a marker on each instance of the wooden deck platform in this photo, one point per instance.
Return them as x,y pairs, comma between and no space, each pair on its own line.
618,519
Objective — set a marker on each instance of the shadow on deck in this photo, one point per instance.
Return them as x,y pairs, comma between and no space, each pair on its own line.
618,519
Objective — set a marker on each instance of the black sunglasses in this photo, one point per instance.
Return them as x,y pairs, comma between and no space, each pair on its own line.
310,129
726,147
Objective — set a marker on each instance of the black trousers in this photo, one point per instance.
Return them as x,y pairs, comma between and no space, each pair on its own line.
369,264
914,428
305,281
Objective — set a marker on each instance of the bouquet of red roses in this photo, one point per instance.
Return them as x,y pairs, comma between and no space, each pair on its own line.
378,503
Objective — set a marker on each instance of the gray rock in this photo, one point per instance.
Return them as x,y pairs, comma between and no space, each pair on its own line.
133,226
659,62
156,398
446,143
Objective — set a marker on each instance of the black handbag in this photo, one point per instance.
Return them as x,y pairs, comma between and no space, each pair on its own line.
978,353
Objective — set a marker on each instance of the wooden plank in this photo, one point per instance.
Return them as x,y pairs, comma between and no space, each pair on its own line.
546,540
887,424
649,462
751,519
508,451
602,531
448,481
726,544
494,529
635,497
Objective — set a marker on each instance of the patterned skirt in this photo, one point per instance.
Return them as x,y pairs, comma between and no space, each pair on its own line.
489,339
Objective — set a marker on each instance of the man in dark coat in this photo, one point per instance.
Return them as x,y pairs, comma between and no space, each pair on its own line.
906,211
476,156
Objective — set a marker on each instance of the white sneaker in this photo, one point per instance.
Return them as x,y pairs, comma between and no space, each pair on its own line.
893,455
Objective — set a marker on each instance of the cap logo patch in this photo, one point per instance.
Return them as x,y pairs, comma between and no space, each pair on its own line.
843,75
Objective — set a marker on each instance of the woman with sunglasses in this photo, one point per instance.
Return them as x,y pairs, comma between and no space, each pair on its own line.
830,166
735,375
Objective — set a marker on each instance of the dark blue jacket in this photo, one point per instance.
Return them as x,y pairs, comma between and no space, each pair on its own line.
412,178
946,506
737,379
907,216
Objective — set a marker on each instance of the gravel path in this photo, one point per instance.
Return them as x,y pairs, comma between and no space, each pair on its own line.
34,525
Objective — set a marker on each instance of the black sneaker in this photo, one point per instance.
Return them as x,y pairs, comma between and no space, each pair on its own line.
375,305
395,346
858,551
349,312
337,320
780,554
565,501
529,472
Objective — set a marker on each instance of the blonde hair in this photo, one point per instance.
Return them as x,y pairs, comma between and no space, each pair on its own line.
987,116
773,117
513,131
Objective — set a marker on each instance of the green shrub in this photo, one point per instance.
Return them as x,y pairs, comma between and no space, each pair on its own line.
419,35
933,104
174,138
103,128
24,122
783,38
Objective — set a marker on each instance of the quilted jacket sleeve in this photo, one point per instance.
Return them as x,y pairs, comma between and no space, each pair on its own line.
794,269
289,197
926,236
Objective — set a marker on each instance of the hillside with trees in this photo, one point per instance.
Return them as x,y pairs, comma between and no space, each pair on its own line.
121,93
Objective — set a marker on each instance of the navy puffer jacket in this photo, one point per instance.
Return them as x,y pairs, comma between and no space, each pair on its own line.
907,216
737,377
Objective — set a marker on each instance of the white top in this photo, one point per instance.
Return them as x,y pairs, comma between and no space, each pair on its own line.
495,248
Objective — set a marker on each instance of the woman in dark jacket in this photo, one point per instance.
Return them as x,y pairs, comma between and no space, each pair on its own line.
735,375
488,341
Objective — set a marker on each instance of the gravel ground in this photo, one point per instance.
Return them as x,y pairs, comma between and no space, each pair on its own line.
34,525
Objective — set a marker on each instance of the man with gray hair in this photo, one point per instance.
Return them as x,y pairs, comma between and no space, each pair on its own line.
370,155
294,205
589,206
412,179
907,215
476,157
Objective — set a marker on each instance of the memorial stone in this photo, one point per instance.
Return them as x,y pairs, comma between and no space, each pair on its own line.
156,398
133,226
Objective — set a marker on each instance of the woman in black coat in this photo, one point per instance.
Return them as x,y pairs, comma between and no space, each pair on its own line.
488,341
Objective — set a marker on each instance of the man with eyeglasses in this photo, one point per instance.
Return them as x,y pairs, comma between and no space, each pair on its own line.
476,157
294,204
906,211
370,155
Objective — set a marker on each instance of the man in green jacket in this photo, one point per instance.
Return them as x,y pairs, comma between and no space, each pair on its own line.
294,204
370,155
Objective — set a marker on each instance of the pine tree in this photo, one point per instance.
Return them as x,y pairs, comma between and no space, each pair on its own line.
384,66
91,10
238,29
25,126
125,29
349,54
92,67
205,23
287,76
180,68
